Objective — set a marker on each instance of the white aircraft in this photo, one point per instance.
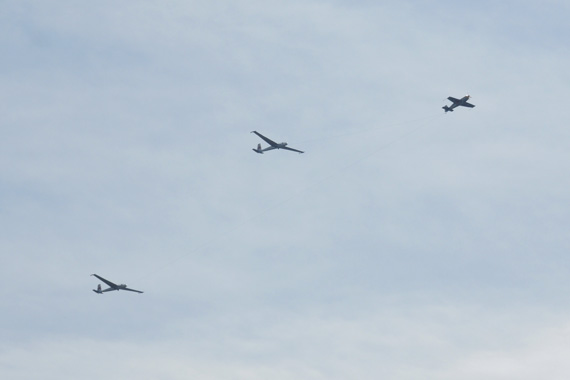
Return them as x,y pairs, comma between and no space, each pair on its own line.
112,286
458,102
272,145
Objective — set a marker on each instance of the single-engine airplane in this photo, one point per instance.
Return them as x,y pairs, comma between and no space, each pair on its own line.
112,286
458,102
272,145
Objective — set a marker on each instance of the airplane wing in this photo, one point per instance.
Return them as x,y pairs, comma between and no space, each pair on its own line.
294,150
132,290
468,105
269,141
105,281
454,100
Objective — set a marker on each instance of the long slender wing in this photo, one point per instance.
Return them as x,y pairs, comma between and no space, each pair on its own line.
269,141
105,281
132,290
294,150
454,100
468,105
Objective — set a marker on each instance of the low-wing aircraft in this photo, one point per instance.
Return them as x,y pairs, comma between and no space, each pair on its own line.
272,145
112,286
458,102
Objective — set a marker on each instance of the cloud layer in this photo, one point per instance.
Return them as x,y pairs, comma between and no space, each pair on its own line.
404,244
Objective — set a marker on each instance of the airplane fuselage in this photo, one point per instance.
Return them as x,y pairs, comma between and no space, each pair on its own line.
272,147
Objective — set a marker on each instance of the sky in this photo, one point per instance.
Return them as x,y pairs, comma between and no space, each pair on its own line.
405,243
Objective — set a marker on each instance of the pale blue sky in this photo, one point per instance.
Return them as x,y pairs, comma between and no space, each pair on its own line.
404,244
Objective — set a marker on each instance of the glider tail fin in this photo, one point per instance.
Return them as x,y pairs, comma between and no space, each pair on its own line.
258,150
98,291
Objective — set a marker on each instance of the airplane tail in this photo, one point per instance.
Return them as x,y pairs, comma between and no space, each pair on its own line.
447,109
258,150
98,291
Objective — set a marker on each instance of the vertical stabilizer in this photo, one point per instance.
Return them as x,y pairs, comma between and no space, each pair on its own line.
258,150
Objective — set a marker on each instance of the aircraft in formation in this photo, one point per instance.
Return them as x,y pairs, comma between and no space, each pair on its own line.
112,286
272,145
463,102
458,102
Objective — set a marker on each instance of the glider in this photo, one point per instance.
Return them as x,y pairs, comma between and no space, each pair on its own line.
272,145
112,286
